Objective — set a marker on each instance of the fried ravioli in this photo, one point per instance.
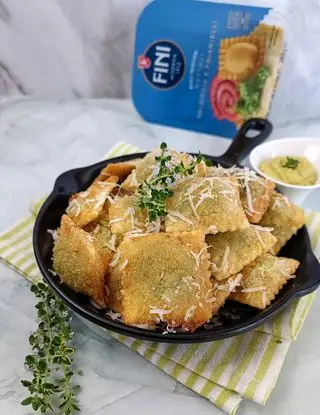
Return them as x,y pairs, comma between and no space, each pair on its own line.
255,197
255,191
126,216
78,262
121,170
263,279
148,166
144,169
87,206
284,217
165,278
231,251
210,204
221,291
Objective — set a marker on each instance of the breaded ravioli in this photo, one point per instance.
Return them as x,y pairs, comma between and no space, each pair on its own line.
231,251
255,196
255,191
165,278
263,279
103,239
126,216
221,291
85,207
78,262
143,170
148,166
121,170
209,204
284,217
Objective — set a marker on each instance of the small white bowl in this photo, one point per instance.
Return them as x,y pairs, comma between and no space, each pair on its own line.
308,147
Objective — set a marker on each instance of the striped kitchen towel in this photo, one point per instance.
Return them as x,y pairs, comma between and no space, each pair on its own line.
246,366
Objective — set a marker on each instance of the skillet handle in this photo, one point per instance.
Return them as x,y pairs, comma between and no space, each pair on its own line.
243,144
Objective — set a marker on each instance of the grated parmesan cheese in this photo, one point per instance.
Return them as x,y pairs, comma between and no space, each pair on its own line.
231,285
100,199
225,263
194,210
113,315
263,228
259,237
137,235
213,229
179,215
114,262
264,298
110,199
169,329
115,220
54,234
123,265
133,179
248,194
190,312
112,243
197,256
74,208
107,290
208,297
278,202
161,312
84,194
96,229
253,289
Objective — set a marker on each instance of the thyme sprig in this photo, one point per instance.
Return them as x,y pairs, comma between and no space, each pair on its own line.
154,193
51,388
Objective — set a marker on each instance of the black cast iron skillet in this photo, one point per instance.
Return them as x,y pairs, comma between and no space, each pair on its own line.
234,318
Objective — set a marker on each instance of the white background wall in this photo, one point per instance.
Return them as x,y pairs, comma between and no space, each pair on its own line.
83,48
67,48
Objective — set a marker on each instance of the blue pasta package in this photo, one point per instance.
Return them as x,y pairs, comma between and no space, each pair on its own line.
205,66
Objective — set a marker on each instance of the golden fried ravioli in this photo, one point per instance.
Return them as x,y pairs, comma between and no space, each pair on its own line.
165,278
255,197
87,206
78,262
103,239
210,204
263,279
143,170
221,291
149,166
231,251
255,191
284,217
126,216
121,170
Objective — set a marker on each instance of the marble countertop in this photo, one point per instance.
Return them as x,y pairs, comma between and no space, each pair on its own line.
38,141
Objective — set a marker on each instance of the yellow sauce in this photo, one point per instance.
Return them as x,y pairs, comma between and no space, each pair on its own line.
294,170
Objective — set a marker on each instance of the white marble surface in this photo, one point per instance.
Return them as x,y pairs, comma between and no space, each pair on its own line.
39,140
83,48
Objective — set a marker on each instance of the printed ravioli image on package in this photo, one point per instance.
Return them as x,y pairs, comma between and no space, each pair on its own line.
205,66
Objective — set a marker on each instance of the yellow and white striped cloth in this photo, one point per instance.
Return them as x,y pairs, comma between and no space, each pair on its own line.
225,371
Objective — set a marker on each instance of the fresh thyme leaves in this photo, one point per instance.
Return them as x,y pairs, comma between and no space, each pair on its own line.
291,163
153,193
51,358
